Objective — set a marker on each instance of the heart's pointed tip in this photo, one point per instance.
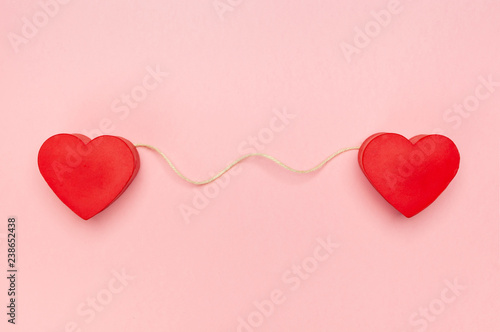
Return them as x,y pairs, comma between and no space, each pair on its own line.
409,215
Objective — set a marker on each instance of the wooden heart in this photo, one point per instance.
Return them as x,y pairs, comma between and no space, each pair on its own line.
409,174
88,175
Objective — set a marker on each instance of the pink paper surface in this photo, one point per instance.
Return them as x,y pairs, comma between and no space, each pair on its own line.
208,81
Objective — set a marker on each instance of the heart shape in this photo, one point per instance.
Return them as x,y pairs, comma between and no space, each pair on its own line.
88,175
409,174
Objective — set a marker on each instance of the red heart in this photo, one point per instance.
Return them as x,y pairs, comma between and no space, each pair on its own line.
409,174
88,175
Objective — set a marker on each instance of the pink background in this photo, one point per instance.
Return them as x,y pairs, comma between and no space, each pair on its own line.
227,73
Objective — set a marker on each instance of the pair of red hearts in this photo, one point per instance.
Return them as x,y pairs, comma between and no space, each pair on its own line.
88,175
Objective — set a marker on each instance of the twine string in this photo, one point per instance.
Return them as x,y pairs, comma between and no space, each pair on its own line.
241,159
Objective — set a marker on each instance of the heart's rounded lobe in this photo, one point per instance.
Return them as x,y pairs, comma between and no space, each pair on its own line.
409,174
88,175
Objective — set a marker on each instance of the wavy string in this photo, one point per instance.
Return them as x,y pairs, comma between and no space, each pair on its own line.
239,160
